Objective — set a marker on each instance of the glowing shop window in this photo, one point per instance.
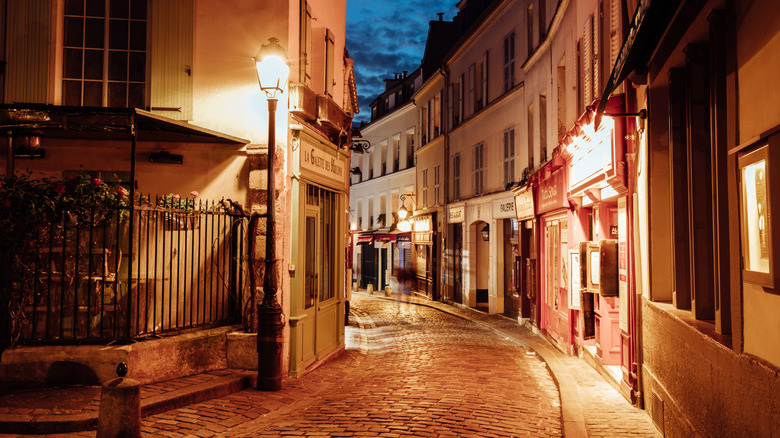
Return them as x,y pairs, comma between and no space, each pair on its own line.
754,217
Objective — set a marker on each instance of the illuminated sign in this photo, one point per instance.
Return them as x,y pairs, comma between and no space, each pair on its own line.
552,193
524,204
591,151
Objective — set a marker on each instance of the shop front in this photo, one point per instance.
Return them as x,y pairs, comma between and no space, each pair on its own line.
319,196
456,214
509,269
555,216
425,254
597,187
525,259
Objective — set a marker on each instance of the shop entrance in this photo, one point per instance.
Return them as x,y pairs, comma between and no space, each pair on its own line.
555,301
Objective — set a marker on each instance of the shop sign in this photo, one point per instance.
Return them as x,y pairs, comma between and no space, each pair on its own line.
524,204
504,208
552,193
322,163
455,215
422,231
623,263
591,153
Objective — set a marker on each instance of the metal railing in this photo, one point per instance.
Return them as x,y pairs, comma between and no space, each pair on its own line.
186,269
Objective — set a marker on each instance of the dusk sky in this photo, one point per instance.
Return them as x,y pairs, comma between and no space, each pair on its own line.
385,37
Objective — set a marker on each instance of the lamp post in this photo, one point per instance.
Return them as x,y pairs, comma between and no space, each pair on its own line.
272,72
404,224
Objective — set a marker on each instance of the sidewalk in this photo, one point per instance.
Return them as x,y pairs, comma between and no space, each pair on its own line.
590,406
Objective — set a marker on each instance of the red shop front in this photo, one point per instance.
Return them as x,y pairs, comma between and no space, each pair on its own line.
553,297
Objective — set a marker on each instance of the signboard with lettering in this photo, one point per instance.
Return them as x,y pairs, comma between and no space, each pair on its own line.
504,208
422,232
323,163
524,204
456,215
552,193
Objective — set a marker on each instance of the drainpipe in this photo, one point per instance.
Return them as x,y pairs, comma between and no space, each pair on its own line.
10,158
445,126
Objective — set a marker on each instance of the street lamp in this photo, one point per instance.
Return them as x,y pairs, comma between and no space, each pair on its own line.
404,224
272,72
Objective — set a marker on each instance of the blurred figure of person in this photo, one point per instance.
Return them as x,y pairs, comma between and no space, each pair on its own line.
406,279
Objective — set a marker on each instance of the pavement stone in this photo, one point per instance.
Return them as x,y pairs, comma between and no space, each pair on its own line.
409,369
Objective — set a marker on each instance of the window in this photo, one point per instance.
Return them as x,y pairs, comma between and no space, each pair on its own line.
472,87
396,151
425,187
561,87
436,184
480,83
530,136
509,61
104,53
437,115
383,157
305,43
424,124
461,93
456,177
529,24
330,62
454,106
542,128
509,156
479,169
409,148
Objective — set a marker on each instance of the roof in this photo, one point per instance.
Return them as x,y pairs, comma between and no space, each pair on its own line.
104,124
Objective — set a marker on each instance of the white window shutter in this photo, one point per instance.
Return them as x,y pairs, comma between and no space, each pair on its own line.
587,61
615,32
171,56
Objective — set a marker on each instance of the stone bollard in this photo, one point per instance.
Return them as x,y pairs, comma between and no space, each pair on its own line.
388,291
370,288
120,407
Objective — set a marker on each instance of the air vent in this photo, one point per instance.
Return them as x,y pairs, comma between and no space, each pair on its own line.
657,411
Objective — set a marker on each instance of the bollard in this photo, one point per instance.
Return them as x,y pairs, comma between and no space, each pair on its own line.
388,291
270,340
120,407
370,288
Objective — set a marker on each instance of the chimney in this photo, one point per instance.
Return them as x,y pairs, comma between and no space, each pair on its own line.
441,16
405,71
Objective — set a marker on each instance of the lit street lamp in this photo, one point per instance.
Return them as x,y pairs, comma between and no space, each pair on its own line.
272,72
404,224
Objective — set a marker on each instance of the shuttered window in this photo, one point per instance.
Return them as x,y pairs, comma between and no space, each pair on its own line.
104,53
171,58
27,36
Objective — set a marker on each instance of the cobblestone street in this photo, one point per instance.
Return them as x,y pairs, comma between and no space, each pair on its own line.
409,370
423,369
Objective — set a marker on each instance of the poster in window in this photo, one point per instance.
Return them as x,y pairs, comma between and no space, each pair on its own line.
754,206
574,270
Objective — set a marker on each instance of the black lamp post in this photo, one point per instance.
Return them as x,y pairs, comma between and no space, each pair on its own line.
272,72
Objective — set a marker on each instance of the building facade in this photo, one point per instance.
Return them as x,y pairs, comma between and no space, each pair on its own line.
189,65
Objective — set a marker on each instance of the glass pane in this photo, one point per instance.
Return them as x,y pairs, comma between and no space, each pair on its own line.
93,93
754,210
117,34
138,9
71,93
137,35
71,67
117,95
136,96
94,33
117,66
137,67
93,64
74,31
96,8
74,7
311,277
120,8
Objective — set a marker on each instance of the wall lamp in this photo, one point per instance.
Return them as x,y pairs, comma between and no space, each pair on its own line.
486,233
642,114
405,222
166,157
356,171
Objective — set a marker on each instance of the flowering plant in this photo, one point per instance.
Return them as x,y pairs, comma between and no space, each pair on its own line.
177,202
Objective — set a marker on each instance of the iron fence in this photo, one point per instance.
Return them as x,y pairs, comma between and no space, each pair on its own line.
178,266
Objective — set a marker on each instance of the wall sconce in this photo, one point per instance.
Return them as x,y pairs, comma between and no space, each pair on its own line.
486,233
356,171
28,147
166,157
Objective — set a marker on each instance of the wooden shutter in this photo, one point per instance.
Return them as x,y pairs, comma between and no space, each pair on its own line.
330,61
27,51
587,61
485,99
171,58
597,52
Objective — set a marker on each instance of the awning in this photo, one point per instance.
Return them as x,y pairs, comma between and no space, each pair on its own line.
104,124
649,24
365,238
